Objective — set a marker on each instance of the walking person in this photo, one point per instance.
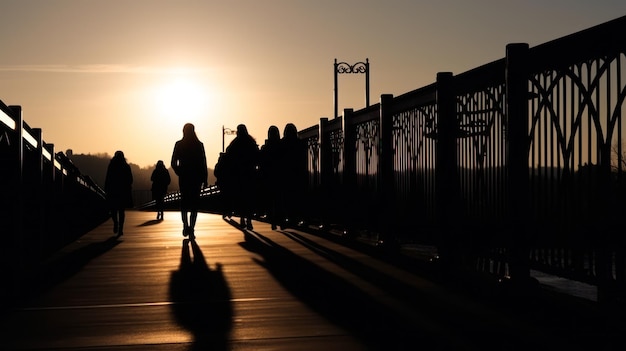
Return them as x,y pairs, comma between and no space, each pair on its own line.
118,188
189,163
160,181
243,154
269,174
293,176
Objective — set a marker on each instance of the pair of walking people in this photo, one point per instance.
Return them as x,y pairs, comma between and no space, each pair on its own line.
283,176
189,163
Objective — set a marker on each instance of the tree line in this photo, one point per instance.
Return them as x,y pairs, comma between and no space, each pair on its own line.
95,166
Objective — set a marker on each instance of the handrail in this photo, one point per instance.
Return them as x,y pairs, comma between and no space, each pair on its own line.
42,188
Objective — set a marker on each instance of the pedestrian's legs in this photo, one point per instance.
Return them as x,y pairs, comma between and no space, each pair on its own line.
193,216
159,206
122,218
115,220
183,214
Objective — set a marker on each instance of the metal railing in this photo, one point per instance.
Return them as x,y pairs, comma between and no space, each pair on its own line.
513,165
208,199
46,202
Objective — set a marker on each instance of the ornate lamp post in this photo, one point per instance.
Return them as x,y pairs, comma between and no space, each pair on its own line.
227,131
359,67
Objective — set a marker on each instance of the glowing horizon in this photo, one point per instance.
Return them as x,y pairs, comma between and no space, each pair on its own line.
102,76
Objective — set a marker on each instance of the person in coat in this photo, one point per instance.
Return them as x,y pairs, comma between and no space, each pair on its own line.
160,181
243,153
293,159
270,175
118,189
189,163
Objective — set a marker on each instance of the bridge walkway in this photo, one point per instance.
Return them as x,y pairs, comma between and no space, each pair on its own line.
263,289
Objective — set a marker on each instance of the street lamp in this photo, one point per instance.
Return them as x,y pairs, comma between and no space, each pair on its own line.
227,131
359,67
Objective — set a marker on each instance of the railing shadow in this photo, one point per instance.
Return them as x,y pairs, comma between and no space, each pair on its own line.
336,299
428,315
393,286
201,299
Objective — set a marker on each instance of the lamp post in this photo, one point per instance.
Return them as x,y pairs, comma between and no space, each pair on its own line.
359,67
226,131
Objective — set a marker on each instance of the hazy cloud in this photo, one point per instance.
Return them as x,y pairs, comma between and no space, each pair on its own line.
98,68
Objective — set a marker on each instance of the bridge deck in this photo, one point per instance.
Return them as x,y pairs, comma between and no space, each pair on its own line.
269,290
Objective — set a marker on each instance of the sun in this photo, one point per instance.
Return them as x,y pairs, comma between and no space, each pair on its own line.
171,97
182,98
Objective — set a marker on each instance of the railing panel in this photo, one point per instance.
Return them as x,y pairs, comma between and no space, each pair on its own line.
577,160
332,158
311,136
366,129
482,154
414,144
577,89
335,137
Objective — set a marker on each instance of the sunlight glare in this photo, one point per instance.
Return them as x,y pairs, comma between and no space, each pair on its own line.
172,97
182,99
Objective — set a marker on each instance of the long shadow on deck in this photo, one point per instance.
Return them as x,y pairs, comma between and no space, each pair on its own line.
201,299
427,316
338,300
150,222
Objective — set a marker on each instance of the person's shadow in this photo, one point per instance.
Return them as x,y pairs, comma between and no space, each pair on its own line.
201,299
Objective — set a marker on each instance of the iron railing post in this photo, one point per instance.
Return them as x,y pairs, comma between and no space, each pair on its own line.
517,143
386,190
447,187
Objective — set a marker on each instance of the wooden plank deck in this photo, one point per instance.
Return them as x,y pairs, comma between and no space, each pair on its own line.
152,289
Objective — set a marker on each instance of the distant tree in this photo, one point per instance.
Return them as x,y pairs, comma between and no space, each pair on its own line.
618,157
91,165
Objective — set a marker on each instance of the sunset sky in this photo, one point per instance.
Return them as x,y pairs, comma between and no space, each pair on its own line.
104,75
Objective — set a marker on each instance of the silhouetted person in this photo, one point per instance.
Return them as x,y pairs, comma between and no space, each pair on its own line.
269,173
243,154
293,176
160,181
118,188
189,163
224,182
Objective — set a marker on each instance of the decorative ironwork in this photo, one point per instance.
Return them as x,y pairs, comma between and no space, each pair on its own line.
359,67
574,98
367,146
313,148
344,67
481,143
477,114
336,145
576,139
576,128
227,131
414,157
411,128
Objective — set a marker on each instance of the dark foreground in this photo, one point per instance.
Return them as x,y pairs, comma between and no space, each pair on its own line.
276,290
